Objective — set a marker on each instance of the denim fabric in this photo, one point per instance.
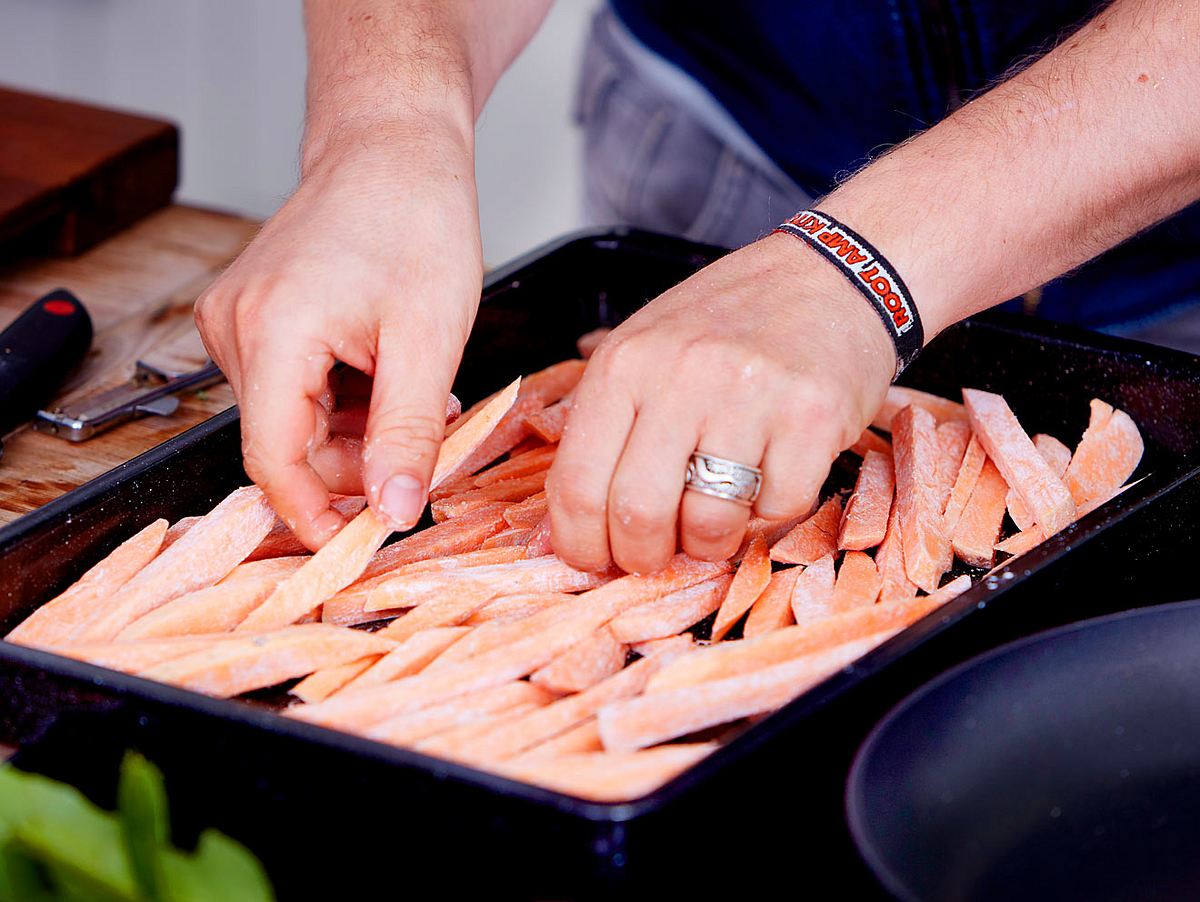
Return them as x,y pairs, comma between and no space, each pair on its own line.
821,87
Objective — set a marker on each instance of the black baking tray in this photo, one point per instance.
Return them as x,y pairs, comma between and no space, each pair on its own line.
333,814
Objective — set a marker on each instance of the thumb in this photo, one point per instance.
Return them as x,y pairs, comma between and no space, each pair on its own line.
405,425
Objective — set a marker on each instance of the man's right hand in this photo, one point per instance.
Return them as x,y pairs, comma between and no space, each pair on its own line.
375,262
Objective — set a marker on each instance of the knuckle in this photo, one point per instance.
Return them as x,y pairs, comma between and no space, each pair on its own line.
576,500
639,517
710,528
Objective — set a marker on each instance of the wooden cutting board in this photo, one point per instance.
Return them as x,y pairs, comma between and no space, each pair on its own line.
71,174
139,287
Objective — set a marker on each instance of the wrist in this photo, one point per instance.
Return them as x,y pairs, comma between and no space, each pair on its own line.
391,139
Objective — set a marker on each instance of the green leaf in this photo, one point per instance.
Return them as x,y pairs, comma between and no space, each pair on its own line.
145,826
21,878
219,870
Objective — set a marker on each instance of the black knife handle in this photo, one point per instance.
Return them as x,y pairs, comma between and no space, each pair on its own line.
37,353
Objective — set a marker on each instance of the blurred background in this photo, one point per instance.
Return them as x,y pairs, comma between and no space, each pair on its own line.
231,74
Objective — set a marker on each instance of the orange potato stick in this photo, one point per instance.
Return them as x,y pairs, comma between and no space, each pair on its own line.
672,644
871,441
463,418
543,574
532,461
770,531
448,609
605,776
517,489
1023,541
245,663
812,539
583,737
899,397
282,542
748,584
889,559
497,634
549,423
1106,456
339,562
731,658
444,744
1043,493
773,610
812,596
408,729
589,341
320,684
539,544
178,530
979,526
964,483
411,656
57,619
584,664
952,440
864,522
537,390
205,554
134,657
1058,456
517,607
512,738
671,614
927,553
527,513
635,723
466,440
511,661
215,609
464,534
858,583
510,538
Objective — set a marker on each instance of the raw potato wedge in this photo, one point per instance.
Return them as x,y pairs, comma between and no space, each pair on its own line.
608,777
1108,453
748,584
813,539
864,522
927,553
773,609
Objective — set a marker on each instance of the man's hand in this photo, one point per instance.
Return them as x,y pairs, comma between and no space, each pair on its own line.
768,357
374,262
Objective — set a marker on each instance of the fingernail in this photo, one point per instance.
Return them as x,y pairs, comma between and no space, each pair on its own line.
402,500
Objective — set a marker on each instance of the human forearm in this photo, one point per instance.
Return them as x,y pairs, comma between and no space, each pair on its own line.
1094,142
381,65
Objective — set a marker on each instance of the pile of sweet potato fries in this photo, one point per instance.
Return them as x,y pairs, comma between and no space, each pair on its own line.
471,641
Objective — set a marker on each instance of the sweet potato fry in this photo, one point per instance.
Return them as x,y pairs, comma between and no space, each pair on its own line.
1107,455
927,553
57,619
899,397
340,562
411,656
589,341
219,608
871,441
517,607
134,657
242,664
510,538
672,644
209,551
812,539
533,461
539,544
496,634
812,596
731,658
964,484
447,744
517,489
584,664
605,776
408,729
1023,541
583,737
630,724
952,440
773,609
282,542
549,422
889,559
979,526
321,684
448,609
1043,493
527,513
1058,456
858,583
463,534
468,439
178,530
864,522
748,584
670,614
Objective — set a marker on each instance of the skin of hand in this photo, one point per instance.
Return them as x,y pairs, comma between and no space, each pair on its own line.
767,357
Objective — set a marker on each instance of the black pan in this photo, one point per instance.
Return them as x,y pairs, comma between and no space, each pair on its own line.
1063,766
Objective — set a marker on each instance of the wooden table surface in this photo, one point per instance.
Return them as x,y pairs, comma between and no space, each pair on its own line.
139,287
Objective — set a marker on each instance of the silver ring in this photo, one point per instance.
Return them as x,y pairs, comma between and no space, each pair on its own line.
723,478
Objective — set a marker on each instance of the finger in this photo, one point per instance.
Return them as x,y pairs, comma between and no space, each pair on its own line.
795,465
278,426
712,528
338,461
406,422
578,483
643,500
219,338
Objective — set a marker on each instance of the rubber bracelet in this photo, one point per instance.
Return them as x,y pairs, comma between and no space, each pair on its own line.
867,271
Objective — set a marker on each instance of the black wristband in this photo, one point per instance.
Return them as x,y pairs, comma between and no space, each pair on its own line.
870,273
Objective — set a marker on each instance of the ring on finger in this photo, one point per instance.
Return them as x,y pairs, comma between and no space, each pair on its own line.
723,478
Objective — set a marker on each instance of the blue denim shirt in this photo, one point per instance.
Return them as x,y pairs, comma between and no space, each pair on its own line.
823,86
